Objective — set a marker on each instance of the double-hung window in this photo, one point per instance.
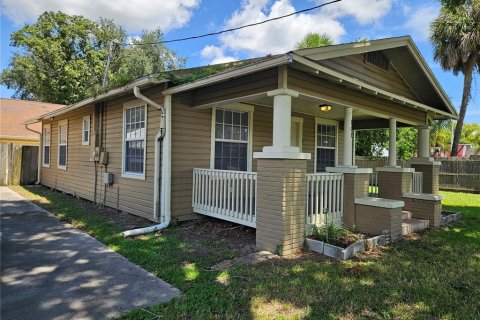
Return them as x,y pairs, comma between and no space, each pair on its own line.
134,141
232,139
46,144
86,131
326,144
62,144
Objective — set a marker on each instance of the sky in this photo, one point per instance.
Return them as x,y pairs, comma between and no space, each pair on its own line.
344,21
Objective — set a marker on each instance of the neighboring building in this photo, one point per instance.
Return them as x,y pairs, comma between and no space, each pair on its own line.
14,136
264,142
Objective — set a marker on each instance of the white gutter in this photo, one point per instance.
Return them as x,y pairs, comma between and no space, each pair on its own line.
40,149
164,135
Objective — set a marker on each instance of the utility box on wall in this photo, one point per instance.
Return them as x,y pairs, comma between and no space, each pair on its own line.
108,178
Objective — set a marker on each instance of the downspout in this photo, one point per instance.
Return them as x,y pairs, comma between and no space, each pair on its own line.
162,203
40,150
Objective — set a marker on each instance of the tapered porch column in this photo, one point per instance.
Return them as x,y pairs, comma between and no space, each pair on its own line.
423,142
281,184
392,143
347,138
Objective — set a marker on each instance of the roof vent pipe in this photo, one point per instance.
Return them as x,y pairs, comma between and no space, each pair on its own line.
165,218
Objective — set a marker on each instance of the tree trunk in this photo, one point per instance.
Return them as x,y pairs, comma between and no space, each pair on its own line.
467,84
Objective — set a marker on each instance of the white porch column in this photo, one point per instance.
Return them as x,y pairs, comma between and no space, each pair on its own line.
282,118
423,142
392,145
347,138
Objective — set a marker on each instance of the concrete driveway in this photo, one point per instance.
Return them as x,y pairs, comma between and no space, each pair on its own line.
50,270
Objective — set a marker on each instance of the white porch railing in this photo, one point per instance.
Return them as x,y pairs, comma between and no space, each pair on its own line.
373,185
227,195
417,182
324,194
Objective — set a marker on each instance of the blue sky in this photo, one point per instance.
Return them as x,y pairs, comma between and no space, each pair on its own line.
345,21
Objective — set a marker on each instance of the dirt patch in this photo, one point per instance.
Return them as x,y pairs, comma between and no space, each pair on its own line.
204,232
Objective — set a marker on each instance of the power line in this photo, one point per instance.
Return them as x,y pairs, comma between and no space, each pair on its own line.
237,28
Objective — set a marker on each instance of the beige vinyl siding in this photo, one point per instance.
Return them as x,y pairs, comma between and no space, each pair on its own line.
191,147
314,86
356,67
78,178
135,196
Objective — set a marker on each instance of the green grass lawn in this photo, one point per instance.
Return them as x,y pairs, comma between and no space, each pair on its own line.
435,275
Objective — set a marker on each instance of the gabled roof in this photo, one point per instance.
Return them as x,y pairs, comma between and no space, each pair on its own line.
404,56
14,112
400,50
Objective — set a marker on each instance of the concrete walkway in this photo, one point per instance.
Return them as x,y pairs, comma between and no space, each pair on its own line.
50,270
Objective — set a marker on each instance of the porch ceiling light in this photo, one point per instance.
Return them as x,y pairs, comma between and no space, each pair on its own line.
325,107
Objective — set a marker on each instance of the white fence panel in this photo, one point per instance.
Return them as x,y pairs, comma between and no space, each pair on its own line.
324,195
227,195
417,182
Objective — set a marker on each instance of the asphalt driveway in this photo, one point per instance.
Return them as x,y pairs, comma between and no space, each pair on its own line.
50,270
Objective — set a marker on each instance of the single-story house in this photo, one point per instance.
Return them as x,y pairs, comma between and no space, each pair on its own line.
264,142
18,140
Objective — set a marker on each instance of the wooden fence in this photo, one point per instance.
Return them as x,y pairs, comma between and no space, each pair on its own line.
455,174
460,175
18,164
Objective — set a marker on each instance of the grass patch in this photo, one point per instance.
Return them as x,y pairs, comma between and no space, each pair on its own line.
432,276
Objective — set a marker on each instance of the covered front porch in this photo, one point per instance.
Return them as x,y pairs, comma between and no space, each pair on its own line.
282,139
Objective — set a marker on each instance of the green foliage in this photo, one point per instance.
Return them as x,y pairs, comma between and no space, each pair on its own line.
471,134
314,40
371,143
62,58
455,35
406,143
329,233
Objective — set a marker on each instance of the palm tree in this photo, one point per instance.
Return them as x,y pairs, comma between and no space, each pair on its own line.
455,35
313,40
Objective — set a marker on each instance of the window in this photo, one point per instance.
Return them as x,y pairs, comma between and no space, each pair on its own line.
296,132
46,144
62,144
326,143
86,131
232,139
134,141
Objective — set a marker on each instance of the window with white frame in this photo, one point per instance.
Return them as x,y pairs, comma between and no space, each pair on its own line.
46,144
86,131
326,143
134,141
62,144
232,135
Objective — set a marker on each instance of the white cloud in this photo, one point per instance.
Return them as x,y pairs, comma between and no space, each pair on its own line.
133,15
282,35
365,11
419,20
215,55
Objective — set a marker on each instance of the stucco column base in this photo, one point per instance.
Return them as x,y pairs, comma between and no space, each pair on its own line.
431,174
393,182
355,185
281,199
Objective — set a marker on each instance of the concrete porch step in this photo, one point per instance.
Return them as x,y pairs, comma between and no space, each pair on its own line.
414,225
406,215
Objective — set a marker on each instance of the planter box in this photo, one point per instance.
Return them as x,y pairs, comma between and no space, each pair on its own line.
450,216
335,252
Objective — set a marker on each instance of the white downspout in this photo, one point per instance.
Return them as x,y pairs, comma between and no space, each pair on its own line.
40,151
163,135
